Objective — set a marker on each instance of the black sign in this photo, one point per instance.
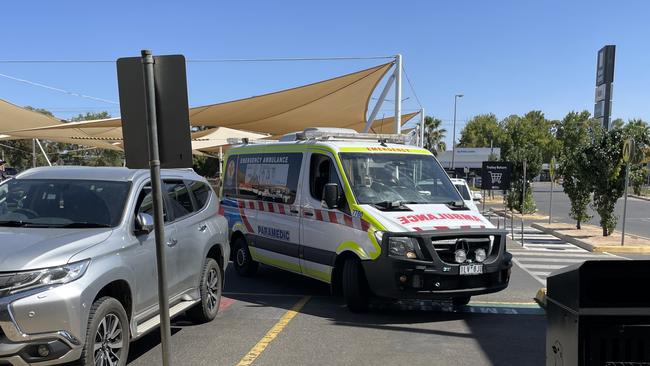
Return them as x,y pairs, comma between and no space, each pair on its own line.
605,65
496,175
172,113
604,80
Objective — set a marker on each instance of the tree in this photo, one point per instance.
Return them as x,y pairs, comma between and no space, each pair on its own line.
529,139
434,135
639,131
638,176
573,133
482,130
82,155
604,163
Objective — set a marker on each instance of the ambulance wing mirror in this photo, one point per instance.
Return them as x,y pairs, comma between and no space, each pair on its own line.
331,195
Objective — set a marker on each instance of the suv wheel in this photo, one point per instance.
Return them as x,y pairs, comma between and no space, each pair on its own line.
210,289
107,334
244,263
355,286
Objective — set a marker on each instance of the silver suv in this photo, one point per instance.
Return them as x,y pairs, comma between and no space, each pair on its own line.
77,261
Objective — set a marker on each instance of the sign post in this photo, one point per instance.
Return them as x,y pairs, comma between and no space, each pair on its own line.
155,120
628,147
496,175
523,200
156,191
551,173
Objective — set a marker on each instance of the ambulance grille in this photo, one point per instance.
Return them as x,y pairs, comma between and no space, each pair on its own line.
446,247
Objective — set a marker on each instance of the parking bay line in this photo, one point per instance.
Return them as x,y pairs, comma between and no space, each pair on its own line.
257,349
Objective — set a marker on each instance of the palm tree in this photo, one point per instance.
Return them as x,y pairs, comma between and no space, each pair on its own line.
434,136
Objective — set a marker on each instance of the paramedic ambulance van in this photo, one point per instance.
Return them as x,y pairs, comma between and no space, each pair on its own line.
364,213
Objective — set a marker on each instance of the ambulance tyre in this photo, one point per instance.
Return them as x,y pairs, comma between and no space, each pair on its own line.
461,301
355,287
243,261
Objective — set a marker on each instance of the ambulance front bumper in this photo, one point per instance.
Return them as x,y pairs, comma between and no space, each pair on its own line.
435,275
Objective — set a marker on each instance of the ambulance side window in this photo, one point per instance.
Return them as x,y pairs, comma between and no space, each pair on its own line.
322,171
269,177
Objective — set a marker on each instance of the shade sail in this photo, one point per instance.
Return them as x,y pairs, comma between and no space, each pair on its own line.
383,125
338,102
332,102
13,117
210,140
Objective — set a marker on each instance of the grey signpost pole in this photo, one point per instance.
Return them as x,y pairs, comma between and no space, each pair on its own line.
628,147
627,182
551,171
156,191
523,200
512,221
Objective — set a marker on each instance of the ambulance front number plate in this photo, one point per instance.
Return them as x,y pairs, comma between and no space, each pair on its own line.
471,269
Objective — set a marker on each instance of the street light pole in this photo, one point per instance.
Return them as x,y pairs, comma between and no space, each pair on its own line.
453,142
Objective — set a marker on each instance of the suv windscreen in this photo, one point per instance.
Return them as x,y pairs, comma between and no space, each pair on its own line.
64,203
406,178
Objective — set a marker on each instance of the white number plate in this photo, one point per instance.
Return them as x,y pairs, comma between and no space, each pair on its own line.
471,269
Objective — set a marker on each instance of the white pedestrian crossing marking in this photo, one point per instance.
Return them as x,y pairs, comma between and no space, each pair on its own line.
542,254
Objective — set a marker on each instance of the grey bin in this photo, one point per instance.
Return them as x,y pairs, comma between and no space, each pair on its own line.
598,313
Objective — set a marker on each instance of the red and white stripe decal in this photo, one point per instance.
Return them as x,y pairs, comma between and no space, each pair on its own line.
319,215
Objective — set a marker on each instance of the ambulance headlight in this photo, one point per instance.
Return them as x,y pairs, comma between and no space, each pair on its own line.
460,256
479,255
402,247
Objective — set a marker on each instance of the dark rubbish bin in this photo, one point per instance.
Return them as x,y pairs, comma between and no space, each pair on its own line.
598,313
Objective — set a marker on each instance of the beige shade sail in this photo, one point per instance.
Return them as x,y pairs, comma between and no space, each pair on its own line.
383,125
210,140
338,102
332,103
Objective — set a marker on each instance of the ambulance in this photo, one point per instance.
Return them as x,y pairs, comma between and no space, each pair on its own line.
365,213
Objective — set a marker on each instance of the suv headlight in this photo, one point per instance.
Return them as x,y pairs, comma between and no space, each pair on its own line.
402,247
22,281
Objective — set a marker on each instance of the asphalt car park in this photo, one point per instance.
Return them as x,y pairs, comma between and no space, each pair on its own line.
278,318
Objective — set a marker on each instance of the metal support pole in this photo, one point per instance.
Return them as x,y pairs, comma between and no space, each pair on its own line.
422,118
523,200
453,141
512,222
398,94
379,103
156,190
43,151
550,203
627,182
33,153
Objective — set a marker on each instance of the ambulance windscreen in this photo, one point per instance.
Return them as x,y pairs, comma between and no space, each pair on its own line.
408,178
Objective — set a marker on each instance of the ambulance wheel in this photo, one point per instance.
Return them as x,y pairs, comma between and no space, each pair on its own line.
355,287
244,263
461,301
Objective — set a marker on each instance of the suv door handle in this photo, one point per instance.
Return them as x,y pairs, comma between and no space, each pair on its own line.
203,228
172,242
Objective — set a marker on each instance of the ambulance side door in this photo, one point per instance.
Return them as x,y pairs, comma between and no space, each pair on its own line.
275,179
322,229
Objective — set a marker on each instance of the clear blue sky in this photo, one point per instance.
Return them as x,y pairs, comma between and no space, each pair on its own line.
507,57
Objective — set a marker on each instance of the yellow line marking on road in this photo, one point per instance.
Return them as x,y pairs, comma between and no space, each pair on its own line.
502,303
257,349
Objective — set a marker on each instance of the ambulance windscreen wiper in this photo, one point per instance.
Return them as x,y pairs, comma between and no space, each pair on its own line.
391,206
457,205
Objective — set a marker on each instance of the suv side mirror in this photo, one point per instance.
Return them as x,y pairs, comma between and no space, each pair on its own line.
143,223
477,196
331,195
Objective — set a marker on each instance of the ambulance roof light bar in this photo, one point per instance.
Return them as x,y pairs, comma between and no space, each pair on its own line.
347,134
247,141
